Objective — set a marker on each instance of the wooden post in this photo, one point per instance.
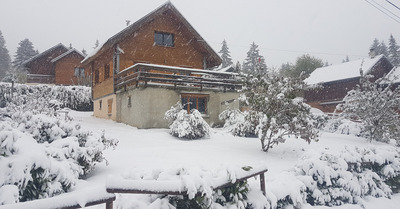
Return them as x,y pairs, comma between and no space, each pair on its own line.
262,182
109,205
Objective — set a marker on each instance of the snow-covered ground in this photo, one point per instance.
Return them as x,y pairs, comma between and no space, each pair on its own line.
155,149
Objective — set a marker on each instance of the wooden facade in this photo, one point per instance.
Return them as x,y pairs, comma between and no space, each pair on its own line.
55,66
161,54
329,94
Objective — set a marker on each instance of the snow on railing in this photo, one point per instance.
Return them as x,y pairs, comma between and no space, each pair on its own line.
177,77
79,199
185,181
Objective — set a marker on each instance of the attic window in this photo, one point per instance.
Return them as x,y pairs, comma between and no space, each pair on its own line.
163,39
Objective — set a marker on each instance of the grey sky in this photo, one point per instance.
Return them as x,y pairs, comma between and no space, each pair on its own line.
283,29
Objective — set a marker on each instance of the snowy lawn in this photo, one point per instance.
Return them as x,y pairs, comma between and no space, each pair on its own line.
155,149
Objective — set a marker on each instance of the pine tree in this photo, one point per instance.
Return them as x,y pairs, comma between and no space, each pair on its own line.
346,59
254,62
96,44
383,49
394,53
238,67
5,60
24,52
84,52
379,48
225,55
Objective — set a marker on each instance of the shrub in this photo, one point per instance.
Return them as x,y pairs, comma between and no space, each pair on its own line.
187,125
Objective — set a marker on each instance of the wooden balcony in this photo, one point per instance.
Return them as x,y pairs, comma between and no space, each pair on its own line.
39,78
143,75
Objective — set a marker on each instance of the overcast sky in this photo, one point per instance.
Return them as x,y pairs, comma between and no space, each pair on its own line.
283,29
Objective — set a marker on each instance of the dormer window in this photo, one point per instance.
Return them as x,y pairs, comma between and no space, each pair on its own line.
163,39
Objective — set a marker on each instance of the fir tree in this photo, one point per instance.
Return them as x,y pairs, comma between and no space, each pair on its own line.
346,59
96,44
378,48
225,55
254,62
24,52
84,52
5,60
238,67
394,53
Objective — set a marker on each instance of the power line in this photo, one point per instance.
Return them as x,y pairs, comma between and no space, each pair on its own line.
383,11
393,4
386,9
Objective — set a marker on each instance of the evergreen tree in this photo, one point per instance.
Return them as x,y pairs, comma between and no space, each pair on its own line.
238,67
96,44
383,49
84,52
305,65
346,59
379,48
5,60
25,51
394,53
254,62
225,55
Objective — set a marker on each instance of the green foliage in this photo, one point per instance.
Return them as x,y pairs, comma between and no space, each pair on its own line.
5,60
235,194
305,65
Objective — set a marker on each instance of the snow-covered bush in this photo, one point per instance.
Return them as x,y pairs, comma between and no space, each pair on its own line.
375,105
344,126
279,112
38,98
348,177
44,156
240,123
187,125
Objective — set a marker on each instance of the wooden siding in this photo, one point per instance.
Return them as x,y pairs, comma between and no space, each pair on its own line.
139,47
332,93
65,69
43,65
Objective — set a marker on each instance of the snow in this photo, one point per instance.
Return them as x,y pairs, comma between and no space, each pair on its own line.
153,153
342,71
393,75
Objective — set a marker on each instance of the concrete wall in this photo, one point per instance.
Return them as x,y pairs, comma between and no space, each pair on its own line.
148,106
103,112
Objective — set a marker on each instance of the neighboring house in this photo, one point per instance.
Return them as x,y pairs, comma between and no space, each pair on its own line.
57,65
139,73
336,80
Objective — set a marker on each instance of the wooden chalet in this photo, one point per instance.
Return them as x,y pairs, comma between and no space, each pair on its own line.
140,72
336,80
58,65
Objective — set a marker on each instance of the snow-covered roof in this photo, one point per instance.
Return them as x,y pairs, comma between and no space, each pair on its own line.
65,54
45,52
342,71
168,6
393,75
230,68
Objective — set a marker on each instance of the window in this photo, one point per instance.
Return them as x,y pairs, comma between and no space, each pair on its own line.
163,39
100,104
106,71
195,101
79,72
109,103
96,76
129,101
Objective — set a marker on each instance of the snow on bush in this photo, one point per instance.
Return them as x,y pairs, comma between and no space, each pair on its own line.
275,111
344,126
38,97
375,105
40,154
187,125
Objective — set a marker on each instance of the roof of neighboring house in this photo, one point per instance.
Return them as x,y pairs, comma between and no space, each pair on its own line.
393,76
60,45
67,53
342,71
168,6
230,68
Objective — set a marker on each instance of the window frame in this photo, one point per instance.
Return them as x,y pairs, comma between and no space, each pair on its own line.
162,39
106,71
196,98
96,76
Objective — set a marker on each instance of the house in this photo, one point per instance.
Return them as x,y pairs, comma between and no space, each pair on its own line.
336,80
140,72
58,65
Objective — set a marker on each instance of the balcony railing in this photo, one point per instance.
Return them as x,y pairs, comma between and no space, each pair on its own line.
39,78
142,75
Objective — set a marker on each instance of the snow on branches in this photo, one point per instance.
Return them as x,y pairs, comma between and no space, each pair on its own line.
375,106
276,111
186,125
